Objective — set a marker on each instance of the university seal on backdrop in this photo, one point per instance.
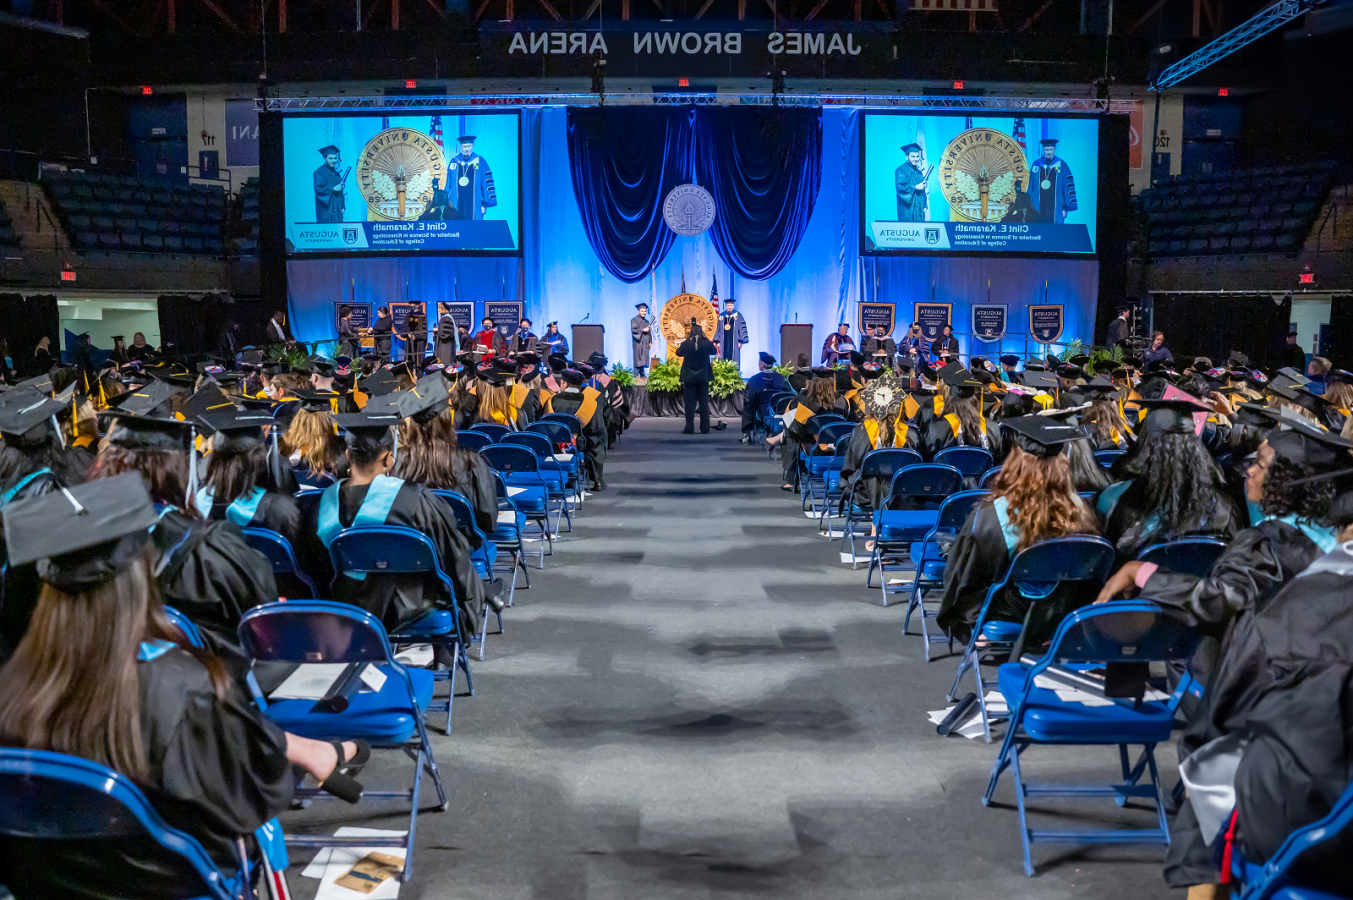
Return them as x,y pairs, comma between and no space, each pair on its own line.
675,319
979,172
688,209
397,173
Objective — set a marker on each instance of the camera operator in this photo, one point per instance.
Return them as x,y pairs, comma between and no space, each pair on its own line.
696,374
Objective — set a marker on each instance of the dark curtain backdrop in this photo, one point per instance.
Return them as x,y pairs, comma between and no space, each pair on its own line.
198,324
1341,330
1213,325
763,168
27,320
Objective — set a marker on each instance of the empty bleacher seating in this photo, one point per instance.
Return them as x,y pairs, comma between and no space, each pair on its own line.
121,212
1265,210
8,236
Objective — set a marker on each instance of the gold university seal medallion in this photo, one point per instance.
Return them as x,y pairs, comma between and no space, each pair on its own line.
979,174
675,320
397,173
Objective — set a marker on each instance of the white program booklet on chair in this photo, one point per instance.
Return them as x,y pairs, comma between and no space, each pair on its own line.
514,491
507,517
310,681
563,457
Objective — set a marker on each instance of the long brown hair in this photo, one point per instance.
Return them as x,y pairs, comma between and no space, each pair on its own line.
1103,418
165,472
429,454
311,432
821,391
1041,497
495,399
969,412
1339,394
71,685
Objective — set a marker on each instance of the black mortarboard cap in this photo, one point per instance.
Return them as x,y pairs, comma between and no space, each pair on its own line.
369,423
911,148
1293,375
1048,142
210,399
316,401
1305,443
466,139
572,376
1035,379
1042,436
378,383
324,368
961,382
598,360
636,306
766,358
1173,416
429,395
147,433
148,400
1009,359
326,150
823,372
1099,385
237,429
84,534
949,368
28,422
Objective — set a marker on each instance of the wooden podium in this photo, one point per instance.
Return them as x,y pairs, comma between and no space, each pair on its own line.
588,339
795,339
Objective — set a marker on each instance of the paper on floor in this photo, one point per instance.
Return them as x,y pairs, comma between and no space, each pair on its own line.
970,729
316,866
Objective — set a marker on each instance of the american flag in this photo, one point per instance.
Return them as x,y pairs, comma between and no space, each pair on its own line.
435,130
714,293
1019,134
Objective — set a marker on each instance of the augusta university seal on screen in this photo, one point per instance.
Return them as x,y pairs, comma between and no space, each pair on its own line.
980,172
688,209
398,173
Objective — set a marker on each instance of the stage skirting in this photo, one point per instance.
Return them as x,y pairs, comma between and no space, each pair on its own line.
560,278
668,403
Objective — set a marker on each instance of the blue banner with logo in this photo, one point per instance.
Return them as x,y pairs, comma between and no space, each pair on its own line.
506,315
932,317
875,314
361,314
989,321
462,313
1046,322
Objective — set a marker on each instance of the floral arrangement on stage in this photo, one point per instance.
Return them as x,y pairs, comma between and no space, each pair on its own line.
294,355
622,376
727,379
665,377
785,369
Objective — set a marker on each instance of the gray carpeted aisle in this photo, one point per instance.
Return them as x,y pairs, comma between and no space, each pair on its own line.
697,699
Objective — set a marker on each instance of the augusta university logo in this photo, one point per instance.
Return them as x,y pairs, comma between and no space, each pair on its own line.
349,235
932,235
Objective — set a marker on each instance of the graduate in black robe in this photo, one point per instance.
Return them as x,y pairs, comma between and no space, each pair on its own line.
1172,488
961,423
311,444
818,397
587,403
1035,473
207,760
236,484
882,428
370,496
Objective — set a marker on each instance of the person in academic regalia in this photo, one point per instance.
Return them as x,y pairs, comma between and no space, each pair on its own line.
961,424
1104,422
235,486
617,409
523,339
205,569
732,332
641,339
278,332
381,330
586,403
371,496
311,443
1052,189
880,348
1275,701
756,395
1009,369
884,427
429,455
447,345
495,395
553,342
103,675
818,396
329,186
1120,329
838,346
910,180
1171,487
1032,499
347,334
945,347
470,182
489,342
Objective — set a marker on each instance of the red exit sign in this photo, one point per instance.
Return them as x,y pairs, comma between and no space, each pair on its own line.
67,276
1306,278
958,85
410,84
1223,92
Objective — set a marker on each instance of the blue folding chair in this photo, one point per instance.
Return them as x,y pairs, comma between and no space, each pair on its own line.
326,631
831,484
880,466
191,634
552,469
521,469
1187,556
1273,880
569,420
1131,631
1060,574
280,555
482,557
495,431
507,532
954,512
910,510
973,462
65,804
1106,458
562,442
474,440
988,477
366,550
820,458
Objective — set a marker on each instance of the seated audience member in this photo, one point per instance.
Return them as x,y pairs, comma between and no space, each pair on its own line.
1171,487
495,397
235,487
1104,423
371,494
1086,473
311,442
102,674
818,397
1275,702
575,398
204,569
1032,500
883,428
960,422
802,374
428,454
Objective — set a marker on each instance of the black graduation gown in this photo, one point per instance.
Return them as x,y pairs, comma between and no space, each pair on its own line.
939,435
1129,527
275,512
570,400
21,583
467,411
869,492
211,575
474,481
1285,681
218,770
977,560
398,599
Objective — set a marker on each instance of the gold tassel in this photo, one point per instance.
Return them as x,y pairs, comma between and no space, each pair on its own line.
74,418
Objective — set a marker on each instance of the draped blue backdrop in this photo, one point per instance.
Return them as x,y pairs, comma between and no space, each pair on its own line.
561,277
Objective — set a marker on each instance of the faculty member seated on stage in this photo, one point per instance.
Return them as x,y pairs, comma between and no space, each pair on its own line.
756,397
838,346
880,348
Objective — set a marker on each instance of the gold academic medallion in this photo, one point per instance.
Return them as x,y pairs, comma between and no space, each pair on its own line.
979,173
397,172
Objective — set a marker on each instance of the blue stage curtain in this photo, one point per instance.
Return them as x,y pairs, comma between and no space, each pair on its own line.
763,168
623,163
